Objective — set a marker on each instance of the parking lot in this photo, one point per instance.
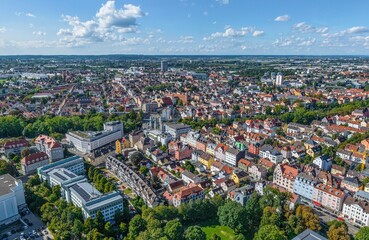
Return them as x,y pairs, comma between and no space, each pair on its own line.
28,227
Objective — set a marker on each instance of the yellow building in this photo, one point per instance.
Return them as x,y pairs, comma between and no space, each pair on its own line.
239,176
206,159
118,147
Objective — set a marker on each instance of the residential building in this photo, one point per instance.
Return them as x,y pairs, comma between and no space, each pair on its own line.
50,146
239,176
30,163
188,177
242,194
86,142
220,152
257,172
11,199
206,159
284,176
267,151
15,146
232,156
188,193
304,185
356,211
328,197
352,184
323,162
133,180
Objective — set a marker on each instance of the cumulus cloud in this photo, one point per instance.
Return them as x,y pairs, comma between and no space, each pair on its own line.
230,32
39,33
283,18
357,30
294,41
185,39
257,33
109,24
306,28
2,29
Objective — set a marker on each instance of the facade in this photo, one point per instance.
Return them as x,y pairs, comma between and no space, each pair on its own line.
188,193
78,191
73,164
328,197
206,159
242,194
176,129
270,153
356,211
11,199
33,161
134,181
304,185
220,152
323,162
352,184
284,176
239,176
232,156
86,142
50,146
15,147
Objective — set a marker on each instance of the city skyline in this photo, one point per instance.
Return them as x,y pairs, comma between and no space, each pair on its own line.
209,27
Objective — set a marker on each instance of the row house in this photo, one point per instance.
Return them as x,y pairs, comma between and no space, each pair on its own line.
304,185
220,152
328,197
284,176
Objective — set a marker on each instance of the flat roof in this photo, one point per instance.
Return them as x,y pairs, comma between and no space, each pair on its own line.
309,235
58,163
63,174
103,200
7,182
86,191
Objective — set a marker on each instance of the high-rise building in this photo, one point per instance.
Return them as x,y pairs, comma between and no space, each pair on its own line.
279,79
164,66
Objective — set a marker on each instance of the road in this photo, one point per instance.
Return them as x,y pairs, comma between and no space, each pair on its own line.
60,110
326,216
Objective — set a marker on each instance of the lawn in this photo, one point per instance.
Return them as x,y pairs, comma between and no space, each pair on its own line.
212,226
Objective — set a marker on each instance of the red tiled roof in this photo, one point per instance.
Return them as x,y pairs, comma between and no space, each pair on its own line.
34,158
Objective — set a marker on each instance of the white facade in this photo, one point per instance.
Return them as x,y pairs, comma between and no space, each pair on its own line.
279,79
11,199
86,142
356,211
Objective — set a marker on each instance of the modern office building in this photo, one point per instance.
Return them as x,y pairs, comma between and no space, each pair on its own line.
86,142
50,146
78,191
11,199
73,164
176,129
279,79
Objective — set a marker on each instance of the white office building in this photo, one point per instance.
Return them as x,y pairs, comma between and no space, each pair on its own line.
11,199
279,79
77,190
86,142
356,211
73,164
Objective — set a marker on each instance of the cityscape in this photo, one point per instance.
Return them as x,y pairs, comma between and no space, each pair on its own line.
124,120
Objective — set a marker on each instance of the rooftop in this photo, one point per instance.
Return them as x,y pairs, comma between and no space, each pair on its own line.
7,182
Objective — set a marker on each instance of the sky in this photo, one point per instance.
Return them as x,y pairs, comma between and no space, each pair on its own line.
174,27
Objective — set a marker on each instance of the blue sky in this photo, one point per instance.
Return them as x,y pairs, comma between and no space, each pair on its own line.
184,27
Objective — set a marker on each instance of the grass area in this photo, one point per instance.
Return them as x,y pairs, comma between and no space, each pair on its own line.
212,226
127,191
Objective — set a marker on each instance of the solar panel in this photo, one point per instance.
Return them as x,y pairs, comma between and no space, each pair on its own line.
60,176
85,195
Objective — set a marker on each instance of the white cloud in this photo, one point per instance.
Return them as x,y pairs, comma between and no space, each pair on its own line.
185,39
39,33
2,29
357,30
230,32
306,28
30,15
293,41
283,18
109,24
307,42
25,14
223,2
257,33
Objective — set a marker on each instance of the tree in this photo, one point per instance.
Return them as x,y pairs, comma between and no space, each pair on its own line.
270,232
94,234
215,237
89,225
144,170
195,233
337,230
362,234
232,214
99,221
136,158
77,229
136,225
173,229
108,230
